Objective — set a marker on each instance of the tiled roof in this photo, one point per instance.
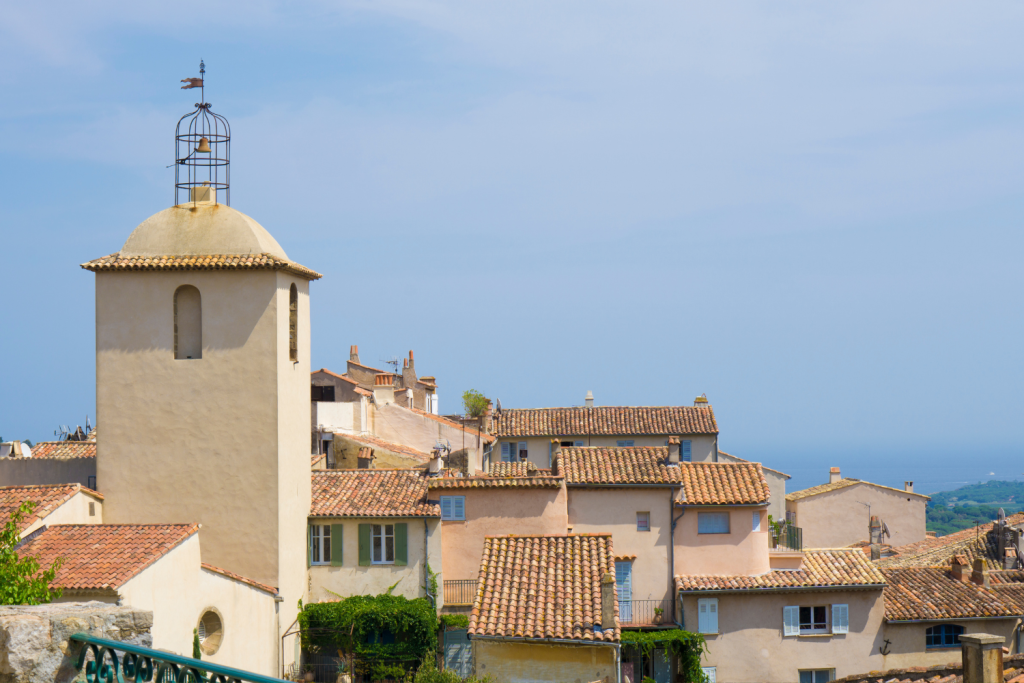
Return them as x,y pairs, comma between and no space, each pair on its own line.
536,479
103,556
488,438
512,469
842,484
979,541
730,457
47,499
822,569
374,442
703,483
336,375
1009,586
116,262
371,493
64,449
605,421
239,577
1013,672
538,587
920,593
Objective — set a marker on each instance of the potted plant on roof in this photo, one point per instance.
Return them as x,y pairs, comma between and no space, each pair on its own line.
658,612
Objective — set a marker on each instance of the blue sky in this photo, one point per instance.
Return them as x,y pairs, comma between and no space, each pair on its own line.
809,212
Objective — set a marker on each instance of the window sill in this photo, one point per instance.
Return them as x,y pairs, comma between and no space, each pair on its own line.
818,635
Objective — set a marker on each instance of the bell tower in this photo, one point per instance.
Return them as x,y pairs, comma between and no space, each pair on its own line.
202,374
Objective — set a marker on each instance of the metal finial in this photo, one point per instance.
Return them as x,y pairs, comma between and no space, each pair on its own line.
202,67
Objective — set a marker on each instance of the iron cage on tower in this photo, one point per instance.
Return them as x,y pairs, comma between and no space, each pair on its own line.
202,151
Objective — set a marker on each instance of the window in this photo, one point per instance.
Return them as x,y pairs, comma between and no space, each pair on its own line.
686,451
513,452
210,630
323,393
643,521
712,522
293,323
943,635
328,450
814,619
710,673
624,444
624,590
756,524
321,545
90,482
817,675
571,443
840,618
707,615
383,536
188,323
798,621
453,507
92,509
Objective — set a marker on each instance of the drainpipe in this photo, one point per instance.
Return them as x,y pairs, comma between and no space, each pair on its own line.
672,551
426,565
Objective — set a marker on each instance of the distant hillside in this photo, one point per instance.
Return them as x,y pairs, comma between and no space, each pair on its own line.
951,511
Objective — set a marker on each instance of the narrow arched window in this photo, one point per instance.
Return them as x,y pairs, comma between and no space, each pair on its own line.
188,323
293,323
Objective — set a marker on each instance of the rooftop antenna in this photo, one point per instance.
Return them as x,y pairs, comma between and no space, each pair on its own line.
393,362
202,150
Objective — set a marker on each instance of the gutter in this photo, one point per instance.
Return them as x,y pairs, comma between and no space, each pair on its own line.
426,565
947,619
730,505
794,589
672,553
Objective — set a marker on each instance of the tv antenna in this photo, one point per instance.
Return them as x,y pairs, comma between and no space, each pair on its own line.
393,362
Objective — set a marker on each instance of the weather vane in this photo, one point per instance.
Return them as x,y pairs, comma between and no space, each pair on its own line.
202,150
197,83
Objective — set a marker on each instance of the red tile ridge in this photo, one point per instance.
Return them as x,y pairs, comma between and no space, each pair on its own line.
334,374
238,577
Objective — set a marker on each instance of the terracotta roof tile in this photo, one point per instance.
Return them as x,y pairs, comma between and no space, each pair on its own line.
703,483
822,568
920,593
512,469
238,577
488,438
730,457
335,375
605,421
536,479
103,556
1009,586
47,499
1013,667
975,542
64,449
371,493
842,484
381,444
537,587
116,262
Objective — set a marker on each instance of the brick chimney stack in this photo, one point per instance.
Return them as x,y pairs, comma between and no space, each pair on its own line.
875,529
608,601
980,573
673,450
834,475
485,424
412,362
353,353
959,568
556,454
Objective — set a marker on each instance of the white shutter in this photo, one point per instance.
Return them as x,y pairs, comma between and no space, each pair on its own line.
791,621
446,507
757,520
459,507
840,618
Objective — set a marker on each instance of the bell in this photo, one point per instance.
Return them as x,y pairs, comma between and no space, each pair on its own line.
204,146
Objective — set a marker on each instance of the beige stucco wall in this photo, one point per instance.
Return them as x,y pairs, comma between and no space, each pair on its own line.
839,518
327,583
740,552
537,662
73,511
750,646
394,423
907,641
31,471
495,512
702,449
776,486
614,510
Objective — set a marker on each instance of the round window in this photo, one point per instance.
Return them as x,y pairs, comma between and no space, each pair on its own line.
211,631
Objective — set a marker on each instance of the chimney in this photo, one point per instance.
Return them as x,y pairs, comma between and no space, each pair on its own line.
982,657
365,458
353,353
589,400
833,475
701,401
383,389
1010,558
980,574
608,601
556,454
959,564
673,450
435,464
875,528
412,364
485,424
908,486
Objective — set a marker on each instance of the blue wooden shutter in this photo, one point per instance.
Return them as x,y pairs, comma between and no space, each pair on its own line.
686,451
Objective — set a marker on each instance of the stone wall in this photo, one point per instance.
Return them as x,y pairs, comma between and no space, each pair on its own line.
34,645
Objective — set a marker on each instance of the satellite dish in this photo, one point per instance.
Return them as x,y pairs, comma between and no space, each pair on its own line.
885,531
498,403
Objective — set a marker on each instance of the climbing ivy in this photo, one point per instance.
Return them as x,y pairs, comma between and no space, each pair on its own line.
687,647
455,620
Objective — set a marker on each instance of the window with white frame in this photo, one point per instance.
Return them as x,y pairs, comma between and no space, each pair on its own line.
514,452
712,522
817,675
707,615
686,451
756,523
453,507
710,673
321,542
626,443
814,619
382,538
643,521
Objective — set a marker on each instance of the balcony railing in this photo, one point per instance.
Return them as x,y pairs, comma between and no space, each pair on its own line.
459,592
788,537
642,612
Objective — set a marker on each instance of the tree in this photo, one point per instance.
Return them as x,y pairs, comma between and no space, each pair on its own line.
21,581
474,402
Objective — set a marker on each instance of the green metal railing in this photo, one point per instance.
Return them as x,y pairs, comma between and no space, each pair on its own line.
142,664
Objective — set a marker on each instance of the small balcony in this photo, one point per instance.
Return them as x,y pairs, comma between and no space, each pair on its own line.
460,592
638,613
787,539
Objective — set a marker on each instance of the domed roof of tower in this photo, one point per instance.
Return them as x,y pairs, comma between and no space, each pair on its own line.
200,228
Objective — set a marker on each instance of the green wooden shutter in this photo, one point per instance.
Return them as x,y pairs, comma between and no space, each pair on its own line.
364,545
402,544
309,545
337,545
